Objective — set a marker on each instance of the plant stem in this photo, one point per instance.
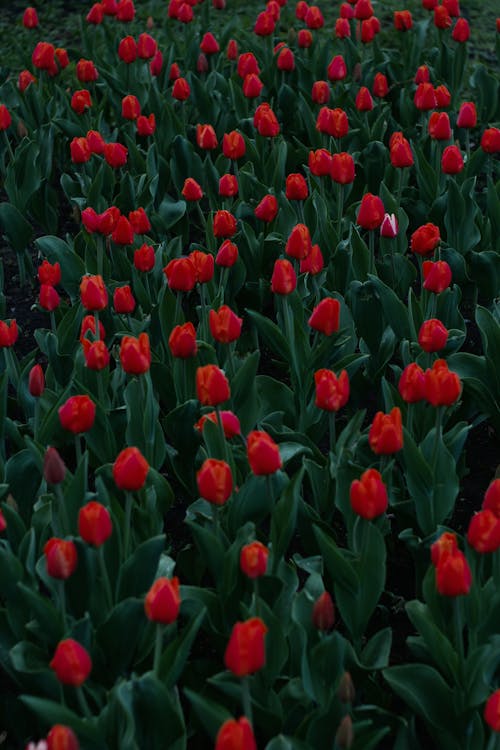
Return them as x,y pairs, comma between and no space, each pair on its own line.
105,577
61,507
129,498
246,699
83,702
332,430
158,648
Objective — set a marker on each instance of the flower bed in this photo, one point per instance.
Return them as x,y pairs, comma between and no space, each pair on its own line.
236,455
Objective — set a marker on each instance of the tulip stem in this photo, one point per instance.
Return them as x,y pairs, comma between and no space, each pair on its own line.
400,190
256,596
78,450
158,648
62,601
100,257
83,702
437,438
9,147
128,516
246,699
333,435
61,507
178,309
340,208
458,628
467,144
105,577
371,247
216,521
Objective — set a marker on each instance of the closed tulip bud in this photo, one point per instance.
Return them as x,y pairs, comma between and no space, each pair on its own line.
93,294
245,652
323,613
135,354
86,71
49,273
227,254
425,97
62,738
342,28
490,141
492,497
347,10
299,243
332,393
204,265
191,190
94,523
49,298
130,470
265,24
224,224
61,55
209,44
146,126
163,601
301,10
386,432
389,227
263,453
483,533
461,32
88,324
320,93
369,28
402,20
445,545
24,80
80,150
115,155
181,275
109,7
182,341
77,414
181,89
432,335
467,115
368,495
439,126
123,233
364,101
380,87
206,137
423,75
265,121
442,19
286,60
342,169
453,575
156,64
492,708
30,18
146,46
139,221
36,381
346,692
215,481
236,735
95,14
123,300
230,423
131,109
442,387
411,384
96,354
80,101
401,154
437,276
325,317
233,145
344,736
54,469
253,559
247,63
314,17
228,186
267,209
43,57
61,558
202,63
304,38
443,97
452,160
71,663
284,278
185,13
127,50
125,12
144,258
212,386
452,6
225,326
371,212
425,239
320,162
314,262
232,49
363,10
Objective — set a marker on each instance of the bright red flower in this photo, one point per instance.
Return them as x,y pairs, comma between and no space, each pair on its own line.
402,20
163,601
332,122
439,126
86,71
298,244
205,137
265,24
453,575
263,454
442,19
445,545
364,101
326,316
212,386
332,393
371,212
483,533
490,141
115,155
182,341
337,69
437,276
77,414
467,115
209,44
314,262
342,27
135,354
96,354
146,47
127,50
181,274
442,387
123,233
71,663
386,432
432,335
230,423
425,97
284,278
61,558
233,145
94,523
267,209
131,109
123,300
227,254
304,38
380,86
253,559
93,294
62,738
425,239
215,481
265,121
245,652
80,150
49,299
228,186
320,93
49,273
492,707
130,470
492,497
225,325
224,224
8,333
235,735
368,495
411,384
30,18
181,89
320,162
144,258
36,381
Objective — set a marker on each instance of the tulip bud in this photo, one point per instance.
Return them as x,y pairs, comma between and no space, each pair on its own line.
71,663
163,601
135,354
326,316
323,614
344,737
492,709
77,414
386,432
236,735
332,393
212,386
263,454
253,559
346,692
130,469
94,523
492,497
389,227
432,335
61,558
245,652
36,381
368,495
62,738
182,341
215,481
54,468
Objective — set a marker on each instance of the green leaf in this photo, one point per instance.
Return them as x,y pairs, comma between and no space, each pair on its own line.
395,311
137,573
52,712
425,691
211,714
271,335
119,633
176,654
72,267
284,517
438,645
340,569
17,230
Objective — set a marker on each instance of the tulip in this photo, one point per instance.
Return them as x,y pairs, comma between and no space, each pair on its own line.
61,737
24,80
181,89
228,186
230,423
490,141
304,38
298,244
115,155
425,97
123,233
135,354
386,432
204,265
215,481
453,575
425,239
225,326
411,384
54,469
233,145
443,96
163,600
445,545
245,652
36,381
182,341
130,470
342,170
467,115
123,300
61,558
342,27
247,63
49,273
77,414
389,227
380,87
71,663
30,18
402,20
286,60
139,221
452,161
432,335
206,137
224,224
94,523
320,162
127,50
49,298
439,126
80,101
371,212
437,276
368,495
492,497
93,294
146,126
212,386
442,19
320,93
209,44
263,454
314,262
8,333
235,735
314,17
144,258
483,533
461,32
253,559
337,69
265,121
191,190
181,275
146,46
364,101
227,254
296,187
284,278
264,25
96,354
323,614
80,150
332,393
88,324
492,710
332,122
267,209
442,387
